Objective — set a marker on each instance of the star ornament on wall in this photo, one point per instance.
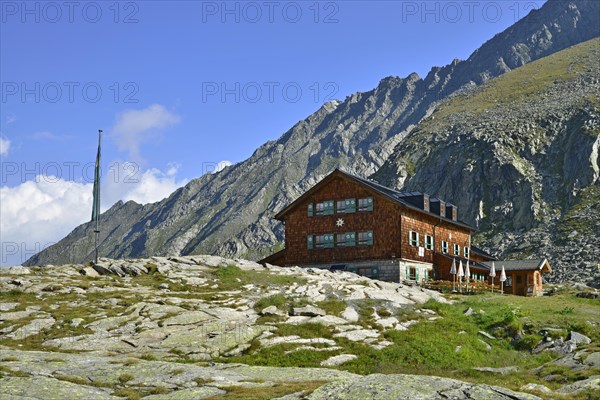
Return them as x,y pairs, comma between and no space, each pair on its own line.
339,223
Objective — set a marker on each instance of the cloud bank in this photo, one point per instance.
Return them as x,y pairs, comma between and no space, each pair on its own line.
134,127
40,212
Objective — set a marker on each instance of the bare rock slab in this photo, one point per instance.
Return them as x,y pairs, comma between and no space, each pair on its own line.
410,387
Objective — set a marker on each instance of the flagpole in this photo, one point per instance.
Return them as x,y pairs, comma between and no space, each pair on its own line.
96,211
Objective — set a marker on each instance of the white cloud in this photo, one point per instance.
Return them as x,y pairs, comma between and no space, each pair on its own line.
133,127
4,146
221,165
37,213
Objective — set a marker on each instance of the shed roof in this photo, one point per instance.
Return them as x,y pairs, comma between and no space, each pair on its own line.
520,265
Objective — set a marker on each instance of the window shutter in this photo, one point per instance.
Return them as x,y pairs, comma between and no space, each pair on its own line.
310,241
369,204
370,237
426,274
329,240
417,274
311,211
350,205
407,272
351,239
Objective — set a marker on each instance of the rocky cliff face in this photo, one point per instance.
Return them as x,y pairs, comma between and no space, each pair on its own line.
230,213
519,156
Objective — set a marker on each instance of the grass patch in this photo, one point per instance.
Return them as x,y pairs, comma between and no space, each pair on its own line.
128,393
332,307
277,300
202,381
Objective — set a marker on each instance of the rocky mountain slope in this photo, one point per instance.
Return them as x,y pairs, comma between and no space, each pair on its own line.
207,327
230,212
519,156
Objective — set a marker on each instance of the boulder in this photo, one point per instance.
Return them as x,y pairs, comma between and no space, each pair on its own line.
88,271
591,383
308,311
273,310
501,371
536,387
578,338
338,360
350,314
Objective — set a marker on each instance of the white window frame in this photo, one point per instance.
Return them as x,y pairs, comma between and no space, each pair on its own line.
456,249
429,242
467,252
444,247
415,241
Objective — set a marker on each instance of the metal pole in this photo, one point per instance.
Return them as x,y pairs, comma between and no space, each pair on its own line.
97,230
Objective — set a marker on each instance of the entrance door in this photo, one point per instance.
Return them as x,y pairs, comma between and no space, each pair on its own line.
521,285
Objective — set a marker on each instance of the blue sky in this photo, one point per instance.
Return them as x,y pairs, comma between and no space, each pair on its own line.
180,86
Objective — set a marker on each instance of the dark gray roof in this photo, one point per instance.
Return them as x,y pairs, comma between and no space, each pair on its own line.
398,197
480,251
518,265
386,191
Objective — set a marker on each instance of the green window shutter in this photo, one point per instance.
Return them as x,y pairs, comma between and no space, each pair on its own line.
370,204
350,205
375,272
309,241
329,241
416,274
426,274
370,238
329,210
311,210
351,239
407,272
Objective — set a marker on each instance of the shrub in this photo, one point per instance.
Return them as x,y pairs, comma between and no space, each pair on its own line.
528,342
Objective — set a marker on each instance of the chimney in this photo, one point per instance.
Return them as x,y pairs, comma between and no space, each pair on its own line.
416,199
437,206
451,211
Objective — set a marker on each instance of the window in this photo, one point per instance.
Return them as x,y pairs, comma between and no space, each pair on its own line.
413,238
456,249
429,242
365,204
311,210
444,247
347,239
325,208
467,252
309,241
371,272
324,241
508,281
519,279
365,238
345,206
